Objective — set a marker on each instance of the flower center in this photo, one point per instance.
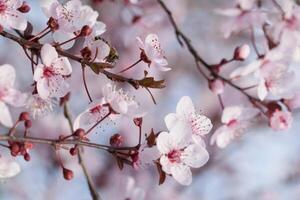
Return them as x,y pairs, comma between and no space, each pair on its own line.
48,72
232,123
3,7
96,109
174,156
283,121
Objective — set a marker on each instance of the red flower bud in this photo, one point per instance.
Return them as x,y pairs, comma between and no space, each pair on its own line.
25,8
24,116
86,31
28,124
138,121
68,174
116,140
79,133
74,151
27,157
15,149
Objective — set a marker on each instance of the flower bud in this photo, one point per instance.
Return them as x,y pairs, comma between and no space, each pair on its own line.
15,149
138,121
116,140
281,120
79,133
216,86
68,174
53,24
86,31
27,157
24,116
25,8
74,151
242,52
28,124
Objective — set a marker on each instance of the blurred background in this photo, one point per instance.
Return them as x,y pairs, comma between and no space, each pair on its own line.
261,165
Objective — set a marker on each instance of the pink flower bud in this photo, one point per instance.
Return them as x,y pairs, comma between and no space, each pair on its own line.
116,140
242,52
25,8
68,174
138,121
24,116
216,86
281,120
28,124
79,133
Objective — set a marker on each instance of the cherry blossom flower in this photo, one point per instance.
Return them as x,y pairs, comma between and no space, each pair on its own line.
293,102
10,17
40,107
281,120
236,120
8,168
70,17
197,125
272,74
216,86
121,102
118,100
98,47
50,75
244,16
152,52
288,27
179,153
8,94
91,116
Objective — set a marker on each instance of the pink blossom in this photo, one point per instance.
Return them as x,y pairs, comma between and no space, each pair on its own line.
10,17
71,17
178,154
118,100
40,107
197,125
121,102
8,168
153,52
91,116
271,72
294,102
242,52
235,119
244,16
8,94
281,120
50,75
216,86
98,47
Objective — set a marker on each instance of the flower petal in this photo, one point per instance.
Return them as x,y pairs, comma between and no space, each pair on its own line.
7,75
195,156
5,117
171,120
185,106
62,66
166,164
48,54
8,168
164,143
182,174
43,88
